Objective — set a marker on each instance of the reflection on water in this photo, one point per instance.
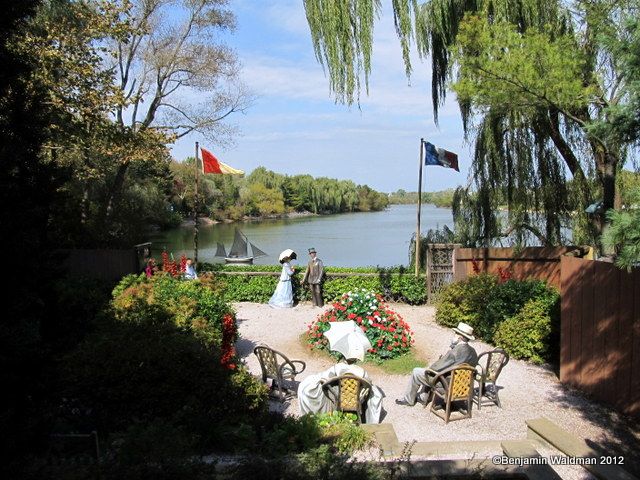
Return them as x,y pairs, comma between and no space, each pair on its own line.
344,240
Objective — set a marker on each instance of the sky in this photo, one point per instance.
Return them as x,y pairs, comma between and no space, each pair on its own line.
295,127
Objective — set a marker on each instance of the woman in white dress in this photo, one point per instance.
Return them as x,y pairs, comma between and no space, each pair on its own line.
283,296
311,398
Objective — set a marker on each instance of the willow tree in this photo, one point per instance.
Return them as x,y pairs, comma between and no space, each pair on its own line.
533,78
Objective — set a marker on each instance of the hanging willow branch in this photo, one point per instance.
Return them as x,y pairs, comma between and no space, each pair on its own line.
342,36
529,103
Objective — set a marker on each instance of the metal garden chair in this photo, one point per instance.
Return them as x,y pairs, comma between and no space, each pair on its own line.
490,364
277,367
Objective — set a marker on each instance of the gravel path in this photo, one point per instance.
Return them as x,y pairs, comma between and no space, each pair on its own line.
529,391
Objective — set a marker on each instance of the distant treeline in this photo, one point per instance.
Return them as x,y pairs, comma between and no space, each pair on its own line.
266,193
443,198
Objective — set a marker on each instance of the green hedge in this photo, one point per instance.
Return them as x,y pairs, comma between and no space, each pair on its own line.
157,354
522,317
395,284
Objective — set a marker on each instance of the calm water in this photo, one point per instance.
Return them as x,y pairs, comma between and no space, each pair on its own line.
345,240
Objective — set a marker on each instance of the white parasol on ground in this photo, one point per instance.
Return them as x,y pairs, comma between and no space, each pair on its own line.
348,339
288,253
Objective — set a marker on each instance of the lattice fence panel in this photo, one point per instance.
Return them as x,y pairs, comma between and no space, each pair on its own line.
439,266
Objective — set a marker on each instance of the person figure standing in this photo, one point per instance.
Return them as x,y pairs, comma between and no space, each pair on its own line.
283,295
313,275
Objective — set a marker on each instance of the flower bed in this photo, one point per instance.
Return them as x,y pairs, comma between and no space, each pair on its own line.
389,334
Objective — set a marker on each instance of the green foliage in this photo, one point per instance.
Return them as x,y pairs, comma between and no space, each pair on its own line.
343,431
620,122
395,283
532,333
189,305
292,435
321,463
498,63
145,367
157,353
548,91
487,304
442,199
389,335
265,193
155,450
623,235
342,36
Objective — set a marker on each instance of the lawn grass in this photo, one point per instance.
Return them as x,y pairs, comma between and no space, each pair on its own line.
401,365
398,366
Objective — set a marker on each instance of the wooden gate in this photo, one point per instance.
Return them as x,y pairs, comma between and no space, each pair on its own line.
440,267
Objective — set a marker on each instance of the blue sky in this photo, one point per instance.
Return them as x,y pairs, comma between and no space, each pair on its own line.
295,127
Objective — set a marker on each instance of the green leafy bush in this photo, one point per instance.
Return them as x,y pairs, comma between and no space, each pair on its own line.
393,283
190,305
128,372
533,332
388,333
163,350
486,303
342,431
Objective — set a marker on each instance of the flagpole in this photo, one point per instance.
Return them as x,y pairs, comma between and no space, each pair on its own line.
417,243
195,213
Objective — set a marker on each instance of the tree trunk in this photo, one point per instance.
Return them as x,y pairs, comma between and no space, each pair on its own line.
114,192
606,168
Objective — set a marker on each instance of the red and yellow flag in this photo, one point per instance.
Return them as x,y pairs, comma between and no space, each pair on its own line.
210,164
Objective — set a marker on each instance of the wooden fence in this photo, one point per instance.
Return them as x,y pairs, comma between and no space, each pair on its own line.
542,263
106,264
600,332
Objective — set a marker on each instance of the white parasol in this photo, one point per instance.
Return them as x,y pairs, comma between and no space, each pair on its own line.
288,253
348,339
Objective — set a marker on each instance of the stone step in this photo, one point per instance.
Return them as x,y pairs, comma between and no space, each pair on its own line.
388,441
523,450
386,437
542,429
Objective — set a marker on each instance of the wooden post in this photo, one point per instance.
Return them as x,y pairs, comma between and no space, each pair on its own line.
195,212
417,243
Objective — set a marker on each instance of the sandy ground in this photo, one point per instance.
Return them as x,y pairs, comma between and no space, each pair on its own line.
528,391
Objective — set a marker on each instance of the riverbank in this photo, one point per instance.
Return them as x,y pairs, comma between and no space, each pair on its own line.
211,221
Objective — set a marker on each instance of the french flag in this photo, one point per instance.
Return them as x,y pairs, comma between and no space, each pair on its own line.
440,157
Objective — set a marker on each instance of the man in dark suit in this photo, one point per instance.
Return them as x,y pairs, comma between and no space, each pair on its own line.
460,352
314,275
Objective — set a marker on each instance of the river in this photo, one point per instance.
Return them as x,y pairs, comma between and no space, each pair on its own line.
345,240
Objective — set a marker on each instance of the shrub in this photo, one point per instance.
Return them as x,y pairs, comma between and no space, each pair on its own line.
189,304
516,315
389,335
163,350
342,431
393,283
483,302
532,332
136,372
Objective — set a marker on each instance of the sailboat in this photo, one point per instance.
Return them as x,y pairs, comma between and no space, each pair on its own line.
239,252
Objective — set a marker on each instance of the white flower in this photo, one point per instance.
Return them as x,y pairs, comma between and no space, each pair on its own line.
370,322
